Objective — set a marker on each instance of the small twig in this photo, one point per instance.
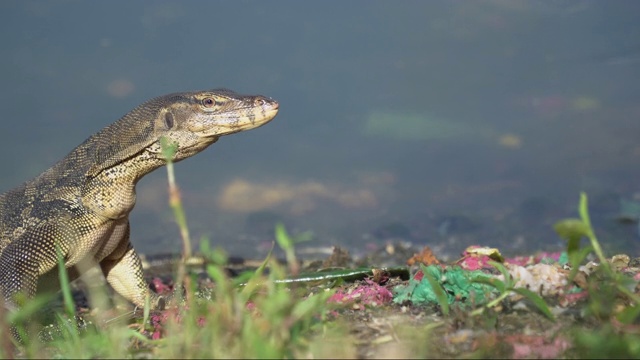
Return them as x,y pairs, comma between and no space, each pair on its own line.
120,316
175,203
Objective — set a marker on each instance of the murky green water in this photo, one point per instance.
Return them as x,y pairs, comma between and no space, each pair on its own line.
446,123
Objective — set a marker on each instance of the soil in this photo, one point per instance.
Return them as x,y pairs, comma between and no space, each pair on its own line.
380,327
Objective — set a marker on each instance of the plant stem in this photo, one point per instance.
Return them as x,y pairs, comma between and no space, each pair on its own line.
175,203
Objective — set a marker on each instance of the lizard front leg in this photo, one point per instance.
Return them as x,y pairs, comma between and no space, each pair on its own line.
29,257
19,274
123,271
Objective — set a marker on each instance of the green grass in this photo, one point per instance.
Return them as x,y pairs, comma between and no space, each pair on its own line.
613,308
251,316
506,287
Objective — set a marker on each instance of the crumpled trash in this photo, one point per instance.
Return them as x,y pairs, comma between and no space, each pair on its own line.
368,293
455,281
543,279
478,257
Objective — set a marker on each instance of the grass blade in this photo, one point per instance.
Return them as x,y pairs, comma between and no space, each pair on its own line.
537,300
438,291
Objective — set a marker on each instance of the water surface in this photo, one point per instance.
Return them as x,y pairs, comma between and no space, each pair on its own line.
446,123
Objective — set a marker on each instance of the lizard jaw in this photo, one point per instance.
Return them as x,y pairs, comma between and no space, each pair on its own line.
263,111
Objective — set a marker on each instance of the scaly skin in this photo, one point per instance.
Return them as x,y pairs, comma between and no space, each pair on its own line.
82,203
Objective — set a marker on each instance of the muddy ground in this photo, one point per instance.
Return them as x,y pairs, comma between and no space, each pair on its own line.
382,326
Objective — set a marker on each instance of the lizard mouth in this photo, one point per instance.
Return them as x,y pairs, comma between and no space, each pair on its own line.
241,119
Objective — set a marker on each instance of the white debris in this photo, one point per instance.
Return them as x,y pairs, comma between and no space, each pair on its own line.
543,279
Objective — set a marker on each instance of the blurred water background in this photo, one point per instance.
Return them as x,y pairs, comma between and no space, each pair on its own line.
442,123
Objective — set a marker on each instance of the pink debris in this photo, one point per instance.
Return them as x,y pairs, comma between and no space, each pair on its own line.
477,257
201,321
534,346
567,300
157,321
250,306
160,287
474,262
520,260
368,294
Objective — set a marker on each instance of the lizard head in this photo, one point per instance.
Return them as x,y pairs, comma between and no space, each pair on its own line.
195,120
190,120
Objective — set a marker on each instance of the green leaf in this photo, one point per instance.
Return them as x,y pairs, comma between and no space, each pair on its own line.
509,282
625,290
536,300
69,305
583,210
572,230
584,215
169,148
629,314
256,279
311,304
438,291
282,237
576,258
29,308
493,282
286,242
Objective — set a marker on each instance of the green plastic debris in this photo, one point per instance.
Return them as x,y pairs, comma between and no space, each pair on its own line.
456,283
564,258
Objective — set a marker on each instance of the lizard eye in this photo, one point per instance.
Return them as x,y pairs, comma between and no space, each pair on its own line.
208,102
168,120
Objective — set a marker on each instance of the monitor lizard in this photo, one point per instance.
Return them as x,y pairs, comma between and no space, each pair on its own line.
81,204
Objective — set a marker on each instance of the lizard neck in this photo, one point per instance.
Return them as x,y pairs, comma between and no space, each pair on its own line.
112,192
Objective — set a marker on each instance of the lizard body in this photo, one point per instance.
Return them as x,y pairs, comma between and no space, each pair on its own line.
82,203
